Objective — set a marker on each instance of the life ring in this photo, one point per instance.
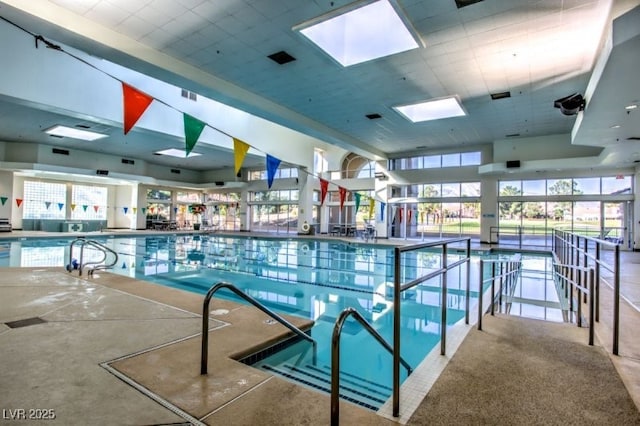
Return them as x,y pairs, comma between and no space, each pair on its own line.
306,227
304,248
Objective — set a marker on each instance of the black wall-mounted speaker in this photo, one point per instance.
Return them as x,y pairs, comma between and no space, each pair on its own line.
219,183
102,172
513,164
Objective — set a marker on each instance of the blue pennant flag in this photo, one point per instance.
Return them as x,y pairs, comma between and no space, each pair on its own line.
272,167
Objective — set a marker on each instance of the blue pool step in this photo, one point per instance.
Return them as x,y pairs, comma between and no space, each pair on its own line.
354,389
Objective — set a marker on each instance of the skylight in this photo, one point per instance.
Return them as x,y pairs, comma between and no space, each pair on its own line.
369,31
177,153
70,132
434,109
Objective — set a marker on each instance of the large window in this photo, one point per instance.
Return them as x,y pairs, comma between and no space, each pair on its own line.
457,159
281,173
44,200
90,202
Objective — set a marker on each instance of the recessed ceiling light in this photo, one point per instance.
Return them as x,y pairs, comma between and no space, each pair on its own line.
361,32
434,109
615,126
70,132
632,106
177,153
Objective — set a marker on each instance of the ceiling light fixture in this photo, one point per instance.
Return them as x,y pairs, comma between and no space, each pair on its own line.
349,36
179,153
433,109
70,132
630,107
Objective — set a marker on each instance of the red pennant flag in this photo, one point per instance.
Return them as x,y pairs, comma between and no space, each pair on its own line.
343,194
96,208
18,201
400,215
324,186
135,104
409,214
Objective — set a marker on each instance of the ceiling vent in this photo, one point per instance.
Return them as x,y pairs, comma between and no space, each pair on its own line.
281,57
188,95
176,171
126,161
102,172
60,151
464,3
373,116
634,138
500,95
512,135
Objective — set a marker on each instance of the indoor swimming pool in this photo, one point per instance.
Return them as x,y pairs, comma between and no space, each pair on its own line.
314,279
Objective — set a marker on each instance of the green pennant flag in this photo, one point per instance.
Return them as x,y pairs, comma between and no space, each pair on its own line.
357,197
192,130
4,200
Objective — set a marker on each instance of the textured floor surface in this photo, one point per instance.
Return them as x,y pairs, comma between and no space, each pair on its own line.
527,372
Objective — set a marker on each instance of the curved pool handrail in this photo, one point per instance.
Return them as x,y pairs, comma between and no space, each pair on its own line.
81,265
335,356
205,321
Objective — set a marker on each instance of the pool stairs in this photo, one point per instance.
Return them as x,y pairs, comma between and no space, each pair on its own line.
357,390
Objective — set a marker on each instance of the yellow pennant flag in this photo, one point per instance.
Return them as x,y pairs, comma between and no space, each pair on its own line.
372,207
239,152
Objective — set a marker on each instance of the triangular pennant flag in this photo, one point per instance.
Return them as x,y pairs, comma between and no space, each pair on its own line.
240,150
60,206
394,211
47,204
343,194
324,186
400,214
18,201
409,214
272,167
144,209
135,104
151,209
372,207
175,210
422,216
125,209
383,206
357,196
84,207
135,210
4,200
96,208
192,130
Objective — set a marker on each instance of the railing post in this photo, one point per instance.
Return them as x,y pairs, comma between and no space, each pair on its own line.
591,307
616,299
443,310
396,334
480,287
585,261
493,287
468,288
597,278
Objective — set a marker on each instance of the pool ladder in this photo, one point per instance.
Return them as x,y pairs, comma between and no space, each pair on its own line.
99,264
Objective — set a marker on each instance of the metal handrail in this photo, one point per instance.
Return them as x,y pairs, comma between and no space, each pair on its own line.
566,245
398,288
205,321
81,265
335,357
513,269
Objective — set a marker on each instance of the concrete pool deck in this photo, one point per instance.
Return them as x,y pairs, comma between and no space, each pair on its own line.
114,350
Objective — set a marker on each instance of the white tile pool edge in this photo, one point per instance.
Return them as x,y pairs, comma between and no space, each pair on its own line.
416,387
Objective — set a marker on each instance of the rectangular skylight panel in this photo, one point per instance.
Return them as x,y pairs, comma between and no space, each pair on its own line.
177,153
70,132
369,32
432,110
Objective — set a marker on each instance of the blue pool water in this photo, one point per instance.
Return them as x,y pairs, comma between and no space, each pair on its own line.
308,278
